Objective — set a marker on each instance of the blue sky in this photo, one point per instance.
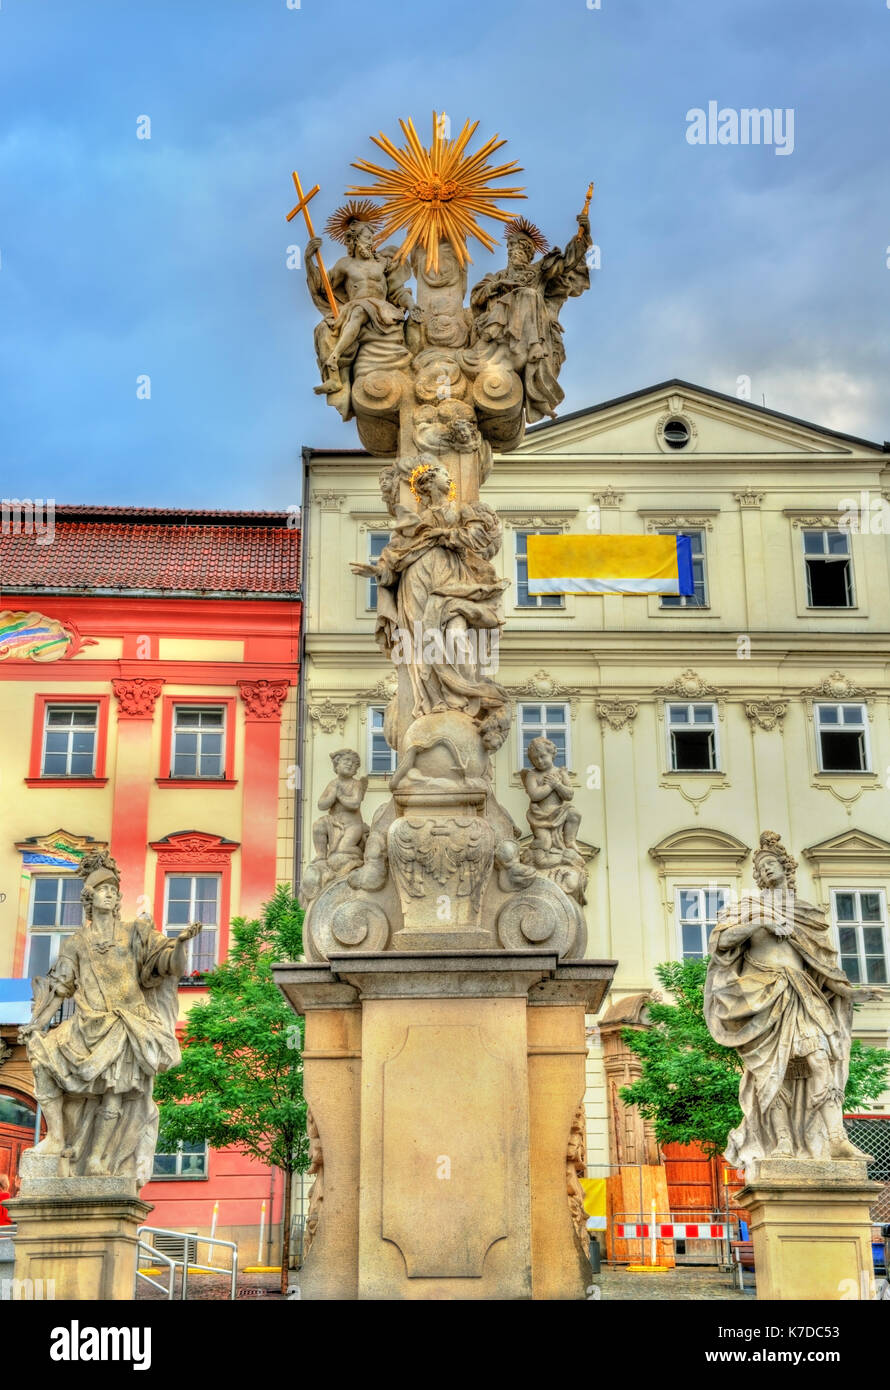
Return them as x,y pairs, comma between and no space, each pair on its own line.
167,257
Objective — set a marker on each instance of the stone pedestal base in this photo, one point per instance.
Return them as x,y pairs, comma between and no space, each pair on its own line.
78,1233
443,1085
811,1229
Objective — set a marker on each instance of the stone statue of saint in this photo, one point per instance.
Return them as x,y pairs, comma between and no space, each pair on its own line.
94,1073
775,992
370,287
516,312
439,598
553,820
339,834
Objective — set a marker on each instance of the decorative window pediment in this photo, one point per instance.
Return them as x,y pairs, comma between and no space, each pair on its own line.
851,852
699,850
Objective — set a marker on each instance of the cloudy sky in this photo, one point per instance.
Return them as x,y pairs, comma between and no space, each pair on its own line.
167,257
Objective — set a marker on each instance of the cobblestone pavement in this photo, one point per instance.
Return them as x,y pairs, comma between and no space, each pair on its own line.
250,1288
686,1281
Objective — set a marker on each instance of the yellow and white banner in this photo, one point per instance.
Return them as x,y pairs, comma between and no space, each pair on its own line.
610,565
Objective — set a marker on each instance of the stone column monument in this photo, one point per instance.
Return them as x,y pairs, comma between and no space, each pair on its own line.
446,986
78,1207
775,992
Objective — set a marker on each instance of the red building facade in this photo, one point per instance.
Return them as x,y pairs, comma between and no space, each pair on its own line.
148,682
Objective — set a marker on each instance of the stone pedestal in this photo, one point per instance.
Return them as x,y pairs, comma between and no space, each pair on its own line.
811,1229
443,1086
79,1233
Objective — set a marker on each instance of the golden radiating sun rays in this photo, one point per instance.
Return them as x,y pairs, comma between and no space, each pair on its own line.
436,194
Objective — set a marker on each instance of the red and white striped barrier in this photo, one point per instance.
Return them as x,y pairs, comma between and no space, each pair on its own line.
671,1230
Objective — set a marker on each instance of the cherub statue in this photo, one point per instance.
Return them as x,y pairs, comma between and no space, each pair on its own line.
371,290
94,1073
516,311
339,835
776,993
552,819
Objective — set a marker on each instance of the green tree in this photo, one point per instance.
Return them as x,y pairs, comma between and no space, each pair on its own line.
240,1082
689,1087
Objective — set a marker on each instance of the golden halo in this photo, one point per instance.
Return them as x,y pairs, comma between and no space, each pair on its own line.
341,219
425,468
520,226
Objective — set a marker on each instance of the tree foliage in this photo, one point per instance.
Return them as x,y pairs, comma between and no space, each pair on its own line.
689,1086
240,1082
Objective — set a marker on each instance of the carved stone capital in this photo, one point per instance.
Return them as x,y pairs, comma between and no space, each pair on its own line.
136,698
328,499
608,499
766,714
617,713
749,498
329,716
263,698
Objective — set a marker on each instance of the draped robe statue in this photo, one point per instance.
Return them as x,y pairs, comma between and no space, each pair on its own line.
775,992
94,1072
437,595
516,315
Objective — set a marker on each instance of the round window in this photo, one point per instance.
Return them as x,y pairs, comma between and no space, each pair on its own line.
676,434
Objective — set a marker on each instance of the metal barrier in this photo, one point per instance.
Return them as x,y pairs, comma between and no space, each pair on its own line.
673,1226
191,1241
143,1248
871,1133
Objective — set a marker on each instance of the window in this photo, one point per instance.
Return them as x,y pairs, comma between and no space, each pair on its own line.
829,568
548,721
860,917
523,598
185,1161
697,910
193,898
377,543
841,738
69,740
381,758
198,741
676,434
55,913
700,598
692,731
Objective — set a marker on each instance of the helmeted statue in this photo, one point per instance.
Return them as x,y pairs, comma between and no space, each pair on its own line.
776,993
94,1072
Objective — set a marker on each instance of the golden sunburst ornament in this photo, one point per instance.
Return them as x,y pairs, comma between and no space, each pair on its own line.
438,193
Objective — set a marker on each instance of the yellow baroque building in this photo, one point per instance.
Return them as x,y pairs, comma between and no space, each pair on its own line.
689,725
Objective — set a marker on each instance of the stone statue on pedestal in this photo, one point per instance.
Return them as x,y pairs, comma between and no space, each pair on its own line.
776,993
94,1072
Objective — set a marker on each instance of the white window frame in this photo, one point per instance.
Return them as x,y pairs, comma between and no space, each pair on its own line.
701,889
566,724
393,756
178,1175
858,924
675,601
57,934
535,603
173,931
823,531
79,707
669,728
371,588
818,706
222,731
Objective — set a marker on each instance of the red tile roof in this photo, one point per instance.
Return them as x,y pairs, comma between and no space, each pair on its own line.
156,551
